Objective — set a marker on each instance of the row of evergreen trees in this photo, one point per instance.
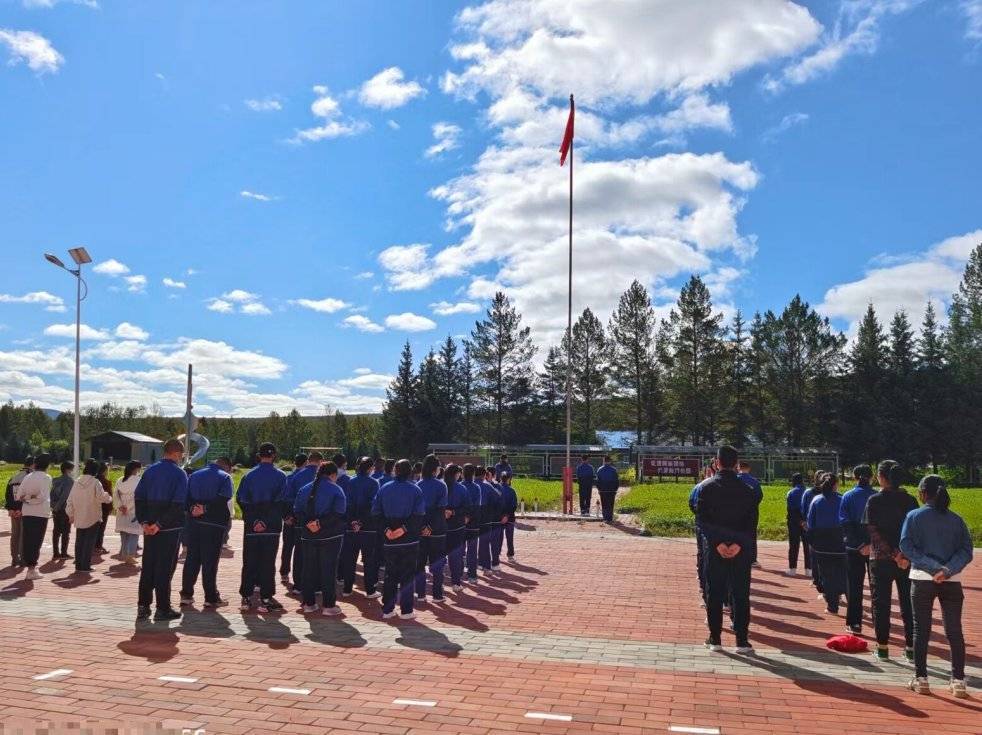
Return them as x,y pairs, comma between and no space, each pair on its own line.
785,379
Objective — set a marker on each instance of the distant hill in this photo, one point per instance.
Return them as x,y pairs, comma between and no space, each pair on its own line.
51,413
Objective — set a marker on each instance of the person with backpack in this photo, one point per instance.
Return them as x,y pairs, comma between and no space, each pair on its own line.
884,519
320,510
856,540
937,542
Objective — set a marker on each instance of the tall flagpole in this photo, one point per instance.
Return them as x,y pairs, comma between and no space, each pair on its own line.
568,478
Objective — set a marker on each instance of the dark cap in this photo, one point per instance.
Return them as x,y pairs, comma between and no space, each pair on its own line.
267,449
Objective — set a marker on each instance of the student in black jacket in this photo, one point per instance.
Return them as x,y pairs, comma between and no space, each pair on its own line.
725,511
320,512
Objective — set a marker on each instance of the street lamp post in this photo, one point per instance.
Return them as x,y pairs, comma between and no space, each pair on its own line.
81,257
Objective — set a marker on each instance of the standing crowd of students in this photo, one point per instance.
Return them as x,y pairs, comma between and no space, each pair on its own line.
882,534
407,524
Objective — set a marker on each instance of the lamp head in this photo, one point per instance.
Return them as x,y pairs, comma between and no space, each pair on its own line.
54,260
80,255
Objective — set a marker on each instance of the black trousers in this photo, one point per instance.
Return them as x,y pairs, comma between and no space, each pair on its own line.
833,570
607,504
159,557
400,572
951,597
472,537
34,528
368,545
349,558
204,544
796,540
432,553
883,574
484,547
85,547
259,564
455,555
320,570
286,555
510,538
61,530
586,491
856,565
101,532
728,578
701,562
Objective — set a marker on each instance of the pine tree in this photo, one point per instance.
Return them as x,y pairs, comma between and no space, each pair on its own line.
863,415
448,382
342,437
431,411
633,366
899,407
931,397
398,421
590,367
465,379
552,394
736,419
761,401
964,343
502,351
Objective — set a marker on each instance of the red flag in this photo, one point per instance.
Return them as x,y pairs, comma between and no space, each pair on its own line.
568,135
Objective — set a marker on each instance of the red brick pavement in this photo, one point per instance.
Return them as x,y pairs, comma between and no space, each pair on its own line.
574,584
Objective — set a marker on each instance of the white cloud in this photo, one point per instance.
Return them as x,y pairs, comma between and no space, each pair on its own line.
171,283
125,330
50,301
221,306
255,308
111,267
266,104
31,48
68,330
135,284
369,380
51,3
447,137
388,90
409,322
253,195
973,16
907,283
362,324
365,275
787,122
239,296
334,125
392,124
404,266
362,371
446,308
325,305
856,32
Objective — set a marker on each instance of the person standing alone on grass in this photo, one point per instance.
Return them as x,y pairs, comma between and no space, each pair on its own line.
884,518
160,497
209,490
939,547
827,545
320,510
401,510
259,497
13,508
608,483
584,480
34,494
127,527
725,510
795,529
857,544
61,488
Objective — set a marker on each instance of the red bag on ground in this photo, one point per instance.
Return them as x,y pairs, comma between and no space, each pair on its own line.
847,644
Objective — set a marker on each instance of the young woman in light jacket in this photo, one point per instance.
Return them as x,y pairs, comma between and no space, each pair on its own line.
84,510
126,524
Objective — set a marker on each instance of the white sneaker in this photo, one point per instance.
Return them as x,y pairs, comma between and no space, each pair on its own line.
958,689
496,568
331,611
309,609
457,588
920,685
745,650
407,616
374,596
388,615
756,565
33,573
791,573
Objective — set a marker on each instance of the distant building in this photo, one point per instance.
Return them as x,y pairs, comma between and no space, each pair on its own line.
122,446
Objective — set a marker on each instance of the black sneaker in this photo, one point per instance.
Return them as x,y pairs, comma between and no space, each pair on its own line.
166,614
143,612
272,605
855,629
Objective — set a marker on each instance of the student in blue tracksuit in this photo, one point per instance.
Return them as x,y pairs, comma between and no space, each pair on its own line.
607,484
351,536
502,467
160,498
509,506
489,516
856,537
499,519
362,490
796,529
209,490
475,499
584,479
291,559
456,512
352,525
700,541
259,497
401,511
754,484
433,536
826,539
320,512
806,500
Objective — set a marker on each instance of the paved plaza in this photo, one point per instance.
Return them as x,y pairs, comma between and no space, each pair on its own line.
594,629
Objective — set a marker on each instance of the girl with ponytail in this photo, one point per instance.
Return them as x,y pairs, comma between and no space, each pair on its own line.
939,546
828,547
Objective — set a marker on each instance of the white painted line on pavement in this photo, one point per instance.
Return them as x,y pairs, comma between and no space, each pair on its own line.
548,716
52,674
288,690
695,730
177,679
415,702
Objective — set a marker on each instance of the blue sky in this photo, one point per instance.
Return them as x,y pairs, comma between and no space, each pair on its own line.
319,182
